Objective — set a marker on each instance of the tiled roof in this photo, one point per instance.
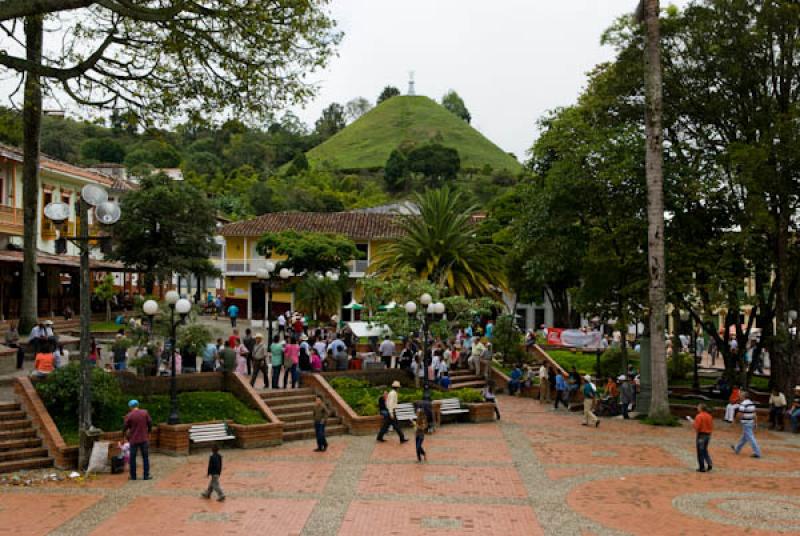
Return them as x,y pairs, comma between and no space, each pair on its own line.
354,225
51,164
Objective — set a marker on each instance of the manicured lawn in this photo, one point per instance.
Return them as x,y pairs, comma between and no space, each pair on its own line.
198,406
363,397
104,326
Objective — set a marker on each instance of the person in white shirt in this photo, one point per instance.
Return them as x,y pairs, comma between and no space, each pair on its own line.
386,350
282,325
544,384
390,419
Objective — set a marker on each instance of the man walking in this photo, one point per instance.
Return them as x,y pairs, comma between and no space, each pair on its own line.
589,396
249,343
259,360
544,384
137,429
233,314
703,425
276,352
747,417
228,357
627,392
390,418
561,391
320,418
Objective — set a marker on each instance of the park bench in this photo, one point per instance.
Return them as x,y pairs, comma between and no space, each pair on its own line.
405,412
452,406
205,433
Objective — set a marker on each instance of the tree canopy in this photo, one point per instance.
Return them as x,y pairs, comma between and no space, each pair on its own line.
309,252
387,93
455,104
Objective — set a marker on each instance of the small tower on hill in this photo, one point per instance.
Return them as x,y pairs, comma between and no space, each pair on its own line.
411,91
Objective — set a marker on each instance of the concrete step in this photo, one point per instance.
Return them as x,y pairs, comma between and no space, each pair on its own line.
465,378
461,372
282,393
26,463
21,443
291,408
12,415
18,454
9,406
17,434
338,429
478,384
285,400
15,425
298,416
308,425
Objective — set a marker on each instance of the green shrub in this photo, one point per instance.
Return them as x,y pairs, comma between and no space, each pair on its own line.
507,340
363,398
612,363
679,366
348,383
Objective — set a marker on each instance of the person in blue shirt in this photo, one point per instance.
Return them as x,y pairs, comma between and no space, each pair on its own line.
209,357
233,314
489,329
589,396
444,381
516,379
561,391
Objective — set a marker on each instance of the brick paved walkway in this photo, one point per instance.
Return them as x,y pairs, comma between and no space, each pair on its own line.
534,472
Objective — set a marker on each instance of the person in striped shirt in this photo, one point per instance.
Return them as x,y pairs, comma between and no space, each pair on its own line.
747,417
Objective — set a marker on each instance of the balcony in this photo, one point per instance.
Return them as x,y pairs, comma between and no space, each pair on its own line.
250,266
11,220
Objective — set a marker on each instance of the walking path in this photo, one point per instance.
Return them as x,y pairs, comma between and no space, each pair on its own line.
535,472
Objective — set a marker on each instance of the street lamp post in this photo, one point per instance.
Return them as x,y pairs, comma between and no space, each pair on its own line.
265,276
107,213
431,311
182,306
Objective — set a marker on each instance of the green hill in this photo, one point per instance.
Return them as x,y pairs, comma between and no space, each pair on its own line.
368,141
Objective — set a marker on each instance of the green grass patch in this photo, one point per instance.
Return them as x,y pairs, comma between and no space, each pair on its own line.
363,397
104,326
193,407
368,141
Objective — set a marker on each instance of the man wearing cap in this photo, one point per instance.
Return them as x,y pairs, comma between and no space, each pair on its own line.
589,395
390,419
137,430
260,360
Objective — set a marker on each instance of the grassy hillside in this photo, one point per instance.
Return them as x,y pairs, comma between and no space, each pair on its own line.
367,142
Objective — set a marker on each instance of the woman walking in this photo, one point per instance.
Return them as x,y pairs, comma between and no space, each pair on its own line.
291,358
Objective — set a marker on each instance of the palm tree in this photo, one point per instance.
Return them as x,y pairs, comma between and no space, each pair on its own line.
319,295
440,245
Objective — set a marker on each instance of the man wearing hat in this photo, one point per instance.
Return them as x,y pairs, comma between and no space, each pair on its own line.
589,395
390,419
137,430
260,360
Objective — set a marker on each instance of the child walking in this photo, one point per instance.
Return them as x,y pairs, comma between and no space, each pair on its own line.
420,426
214,471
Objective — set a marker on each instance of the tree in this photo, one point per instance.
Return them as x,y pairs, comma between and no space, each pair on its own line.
166,227
105,292
435,162
309,253
356,108
387,93
330,122
395,172
299,164
455,104
159,59
158,154
440,244
102,150
319,295
654,160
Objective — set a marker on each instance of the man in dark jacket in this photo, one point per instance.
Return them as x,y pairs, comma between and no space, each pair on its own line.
214,472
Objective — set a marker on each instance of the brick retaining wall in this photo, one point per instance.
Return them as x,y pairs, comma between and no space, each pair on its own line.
356,424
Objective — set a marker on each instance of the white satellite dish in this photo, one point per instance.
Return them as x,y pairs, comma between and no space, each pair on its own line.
107,212
57,211
94,195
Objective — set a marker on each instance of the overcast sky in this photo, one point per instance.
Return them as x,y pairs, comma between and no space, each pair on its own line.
510,60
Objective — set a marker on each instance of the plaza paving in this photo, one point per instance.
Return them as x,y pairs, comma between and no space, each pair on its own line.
534,472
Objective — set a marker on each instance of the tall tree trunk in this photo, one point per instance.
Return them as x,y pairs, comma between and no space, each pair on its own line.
654,161
31,127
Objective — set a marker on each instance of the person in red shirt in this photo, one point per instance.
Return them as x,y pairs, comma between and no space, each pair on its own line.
233,340
44,364
137,430
703,425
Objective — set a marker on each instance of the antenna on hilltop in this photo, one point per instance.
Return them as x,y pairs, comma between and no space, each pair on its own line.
411,83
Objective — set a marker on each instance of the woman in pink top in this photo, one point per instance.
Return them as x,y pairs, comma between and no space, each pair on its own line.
291,357
241,358
316,361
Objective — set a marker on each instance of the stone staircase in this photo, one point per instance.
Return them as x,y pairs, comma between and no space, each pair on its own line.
20,448
295,408
466,378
